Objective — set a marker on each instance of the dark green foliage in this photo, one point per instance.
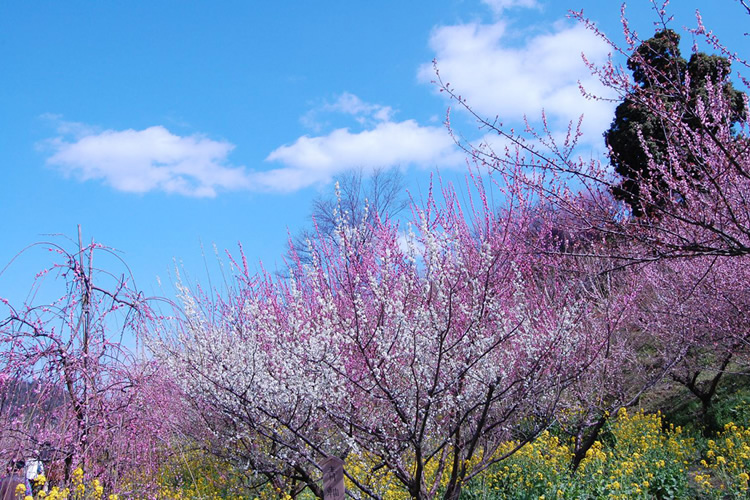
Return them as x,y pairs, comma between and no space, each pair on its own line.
731,404
660,71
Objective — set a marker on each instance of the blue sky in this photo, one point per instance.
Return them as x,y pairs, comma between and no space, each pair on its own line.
160,125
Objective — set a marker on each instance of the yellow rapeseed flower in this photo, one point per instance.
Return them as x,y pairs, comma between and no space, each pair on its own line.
77,475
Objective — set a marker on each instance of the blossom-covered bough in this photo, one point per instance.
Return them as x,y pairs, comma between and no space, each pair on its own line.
696,311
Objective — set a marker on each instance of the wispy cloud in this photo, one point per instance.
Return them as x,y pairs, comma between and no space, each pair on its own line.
152,159
70,129
498,6
364,113
351,104
500,77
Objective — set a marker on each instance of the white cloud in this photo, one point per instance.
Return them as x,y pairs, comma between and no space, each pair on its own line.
499,77
310,160
153,159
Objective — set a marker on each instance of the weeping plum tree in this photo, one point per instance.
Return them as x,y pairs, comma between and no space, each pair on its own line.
71,387
416,353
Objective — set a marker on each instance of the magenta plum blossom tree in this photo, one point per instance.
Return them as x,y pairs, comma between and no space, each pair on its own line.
420,351
693,215
74,388
614,290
